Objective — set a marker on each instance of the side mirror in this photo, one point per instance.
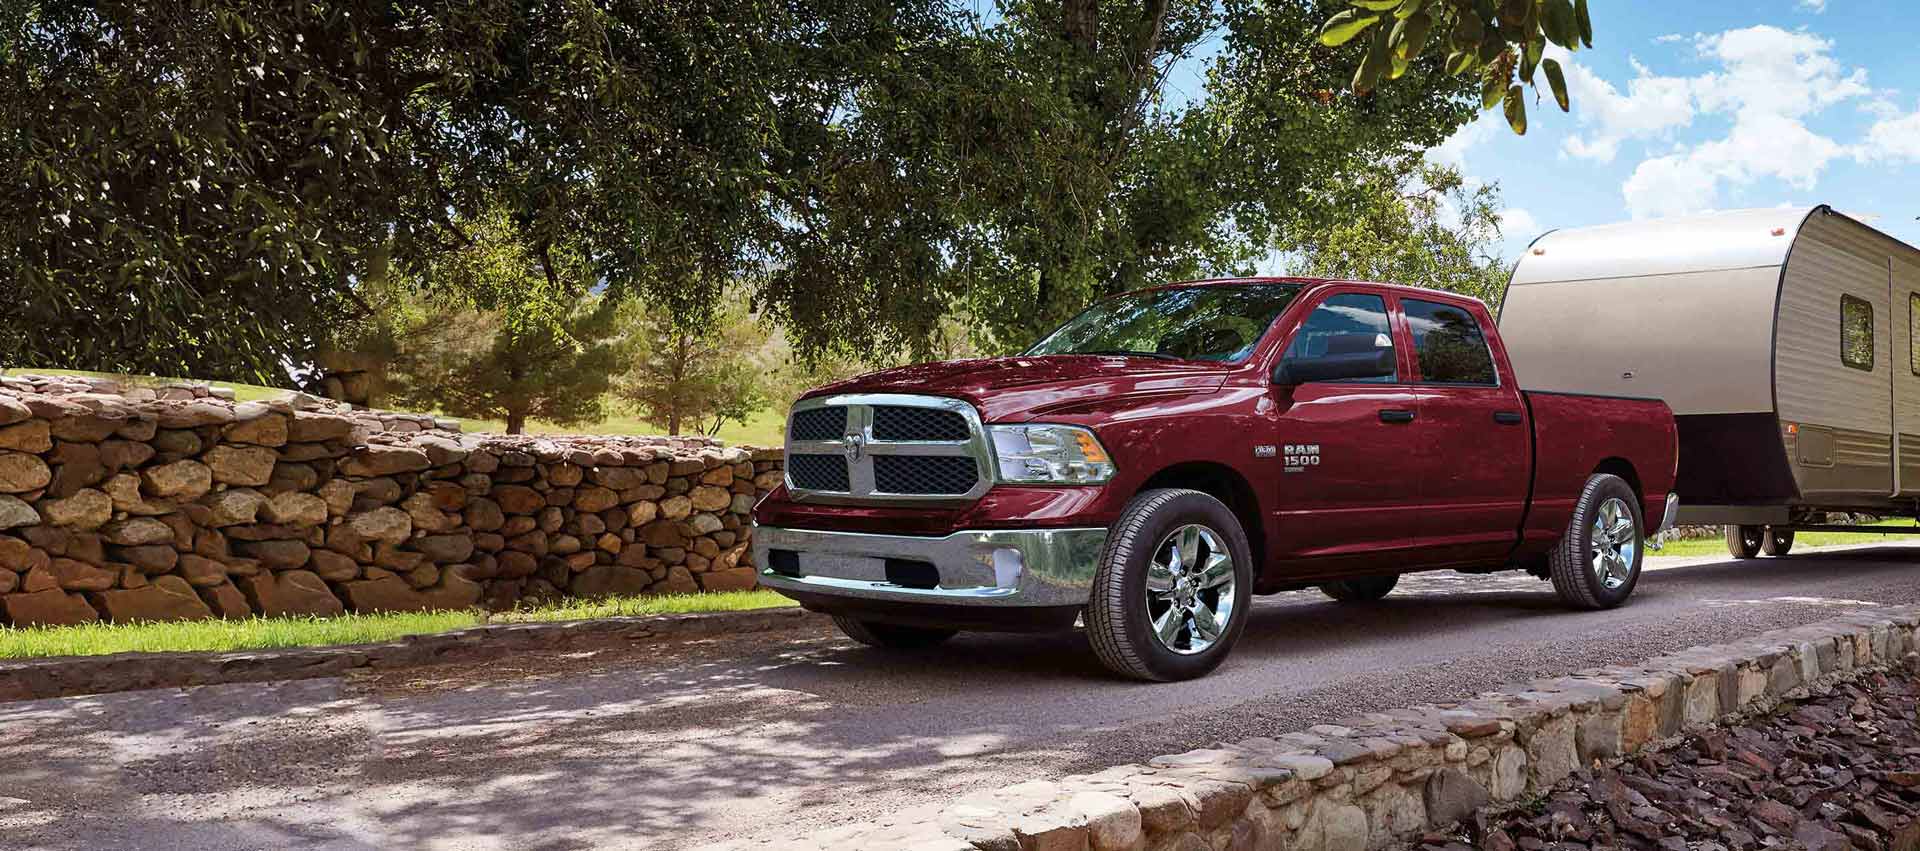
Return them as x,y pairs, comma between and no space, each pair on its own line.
1348,366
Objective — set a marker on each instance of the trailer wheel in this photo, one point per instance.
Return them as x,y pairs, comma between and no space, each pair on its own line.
1596,564
1745,541
890,636
1174,585
1778,542
1366,589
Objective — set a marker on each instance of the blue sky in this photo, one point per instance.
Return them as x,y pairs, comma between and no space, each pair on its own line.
1685,106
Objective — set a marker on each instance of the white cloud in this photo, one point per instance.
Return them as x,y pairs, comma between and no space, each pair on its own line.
1814,6
1652,106
1766,82
1894,138
1517,222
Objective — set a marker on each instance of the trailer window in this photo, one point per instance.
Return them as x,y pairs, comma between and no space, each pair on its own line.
1913,331
1448,343
1856,332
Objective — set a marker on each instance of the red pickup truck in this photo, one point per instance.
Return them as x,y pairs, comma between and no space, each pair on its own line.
1170,452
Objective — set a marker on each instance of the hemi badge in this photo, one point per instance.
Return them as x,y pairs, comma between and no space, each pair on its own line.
1266,450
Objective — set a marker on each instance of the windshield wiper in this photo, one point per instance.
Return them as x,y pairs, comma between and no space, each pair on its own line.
1132,353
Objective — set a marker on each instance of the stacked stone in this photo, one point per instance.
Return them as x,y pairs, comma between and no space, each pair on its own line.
151,504
1383,778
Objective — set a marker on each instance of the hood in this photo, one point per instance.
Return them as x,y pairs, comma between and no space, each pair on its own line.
1019,388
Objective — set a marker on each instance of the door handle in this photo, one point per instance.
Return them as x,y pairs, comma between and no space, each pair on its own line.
1507,417
1395,415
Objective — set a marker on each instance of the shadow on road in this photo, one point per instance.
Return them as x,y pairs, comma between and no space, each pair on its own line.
633,747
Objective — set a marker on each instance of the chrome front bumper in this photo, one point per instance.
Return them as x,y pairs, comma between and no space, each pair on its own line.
1001,567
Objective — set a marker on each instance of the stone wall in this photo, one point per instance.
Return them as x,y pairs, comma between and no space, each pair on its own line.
176,502
1379,779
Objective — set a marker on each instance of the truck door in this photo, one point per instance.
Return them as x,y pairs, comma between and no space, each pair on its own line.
1476,455
1342,439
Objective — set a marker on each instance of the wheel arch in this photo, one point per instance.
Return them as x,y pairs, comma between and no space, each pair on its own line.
1624,469
1223,483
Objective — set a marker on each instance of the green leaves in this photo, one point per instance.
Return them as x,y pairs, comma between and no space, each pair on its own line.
1517,110
1341,28
1560,24
1558,82
1502,42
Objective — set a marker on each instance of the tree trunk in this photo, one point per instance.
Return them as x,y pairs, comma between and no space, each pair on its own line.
516,422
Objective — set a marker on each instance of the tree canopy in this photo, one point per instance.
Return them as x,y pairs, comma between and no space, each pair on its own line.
210,187
1500,43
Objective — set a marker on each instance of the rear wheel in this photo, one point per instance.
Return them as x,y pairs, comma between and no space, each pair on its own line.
1745,541
1778,542
1596,564
891,636
1174,584
1365,589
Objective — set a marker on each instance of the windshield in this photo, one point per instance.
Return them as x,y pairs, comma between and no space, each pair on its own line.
1209,323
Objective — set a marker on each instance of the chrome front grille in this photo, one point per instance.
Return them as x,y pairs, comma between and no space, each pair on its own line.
924,474
899,422
885,447
818,472
828,423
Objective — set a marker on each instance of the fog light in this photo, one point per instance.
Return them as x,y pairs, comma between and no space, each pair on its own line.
1007,566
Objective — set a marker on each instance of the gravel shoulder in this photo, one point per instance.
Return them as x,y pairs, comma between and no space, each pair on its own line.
1836,772
654,747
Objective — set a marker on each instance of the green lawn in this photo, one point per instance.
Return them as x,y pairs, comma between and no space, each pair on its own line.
763,429
1718,546
258,633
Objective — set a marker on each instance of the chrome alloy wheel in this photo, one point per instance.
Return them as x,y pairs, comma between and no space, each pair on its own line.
1190,590
1613,544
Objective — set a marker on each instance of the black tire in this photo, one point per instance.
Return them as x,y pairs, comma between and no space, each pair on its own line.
1365,589
1570,565
1745,541
1118,623
1777,542
891,636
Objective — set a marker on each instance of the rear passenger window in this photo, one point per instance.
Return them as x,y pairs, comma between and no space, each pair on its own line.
1448,344
1913,331
1856,333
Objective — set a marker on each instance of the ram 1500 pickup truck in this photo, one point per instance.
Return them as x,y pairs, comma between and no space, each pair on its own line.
1169,452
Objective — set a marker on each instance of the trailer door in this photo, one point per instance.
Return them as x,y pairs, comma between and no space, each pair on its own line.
1904,279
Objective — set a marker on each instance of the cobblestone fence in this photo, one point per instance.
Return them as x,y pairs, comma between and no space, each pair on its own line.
173,501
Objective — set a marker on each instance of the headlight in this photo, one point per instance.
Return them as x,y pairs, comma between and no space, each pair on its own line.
1050,454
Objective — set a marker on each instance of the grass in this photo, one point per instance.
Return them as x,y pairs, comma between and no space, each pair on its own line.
262,633
765,428
1718,547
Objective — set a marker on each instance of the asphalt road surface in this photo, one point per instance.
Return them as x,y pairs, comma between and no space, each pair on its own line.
672,747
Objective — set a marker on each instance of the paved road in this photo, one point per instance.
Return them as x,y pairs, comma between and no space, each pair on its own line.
639,749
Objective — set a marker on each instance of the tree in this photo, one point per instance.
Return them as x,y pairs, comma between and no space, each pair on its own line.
210,186
1019,164
1424,226
201,187
1498,42
698,376
530,342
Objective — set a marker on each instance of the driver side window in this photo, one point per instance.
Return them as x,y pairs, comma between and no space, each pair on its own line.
1345,324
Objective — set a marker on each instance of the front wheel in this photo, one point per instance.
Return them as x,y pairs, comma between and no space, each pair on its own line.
1745,541
890,636
1597,562
1173,587
1779,542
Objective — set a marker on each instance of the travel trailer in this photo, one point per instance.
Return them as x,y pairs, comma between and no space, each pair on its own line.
1783,339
